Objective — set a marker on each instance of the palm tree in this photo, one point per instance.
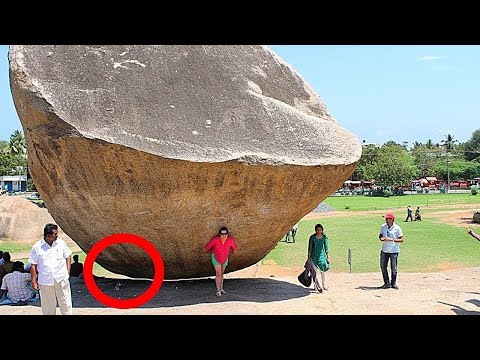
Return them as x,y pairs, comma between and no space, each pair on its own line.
448,143
17,144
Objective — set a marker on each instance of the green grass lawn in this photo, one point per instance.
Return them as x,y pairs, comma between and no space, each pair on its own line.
362,203
12,247
428,245
97,269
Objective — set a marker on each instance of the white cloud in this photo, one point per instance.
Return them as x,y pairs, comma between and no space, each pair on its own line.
429,58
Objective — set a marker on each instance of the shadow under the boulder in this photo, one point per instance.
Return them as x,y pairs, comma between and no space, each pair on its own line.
189,292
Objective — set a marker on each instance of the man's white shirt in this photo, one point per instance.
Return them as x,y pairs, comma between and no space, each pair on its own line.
50,260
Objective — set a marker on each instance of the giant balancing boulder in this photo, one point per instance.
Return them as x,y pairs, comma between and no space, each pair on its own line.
172,142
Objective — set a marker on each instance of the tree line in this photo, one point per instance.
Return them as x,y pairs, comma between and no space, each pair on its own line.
13,155
389,164
394,164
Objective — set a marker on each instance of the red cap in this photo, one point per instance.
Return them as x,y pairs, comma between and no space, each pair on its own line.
390,216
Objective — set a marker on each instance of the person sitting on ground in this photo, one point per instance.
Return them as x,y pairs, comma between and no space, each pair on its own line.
17,285
76,268
6,267
418,216
7,262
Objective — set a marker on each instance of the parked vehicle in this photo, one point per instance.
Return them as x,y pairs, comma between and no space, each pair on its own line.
34,196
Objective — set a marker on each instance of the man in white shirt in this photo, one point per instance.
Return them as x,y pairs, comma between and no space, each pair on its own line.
391,235
50,259
294,231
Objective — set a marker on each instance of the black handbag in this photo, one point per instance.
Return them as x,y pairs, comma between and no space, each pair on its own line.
305,278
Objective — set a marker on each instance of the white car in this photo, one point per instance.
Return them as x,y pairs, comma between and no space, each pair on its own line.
34,196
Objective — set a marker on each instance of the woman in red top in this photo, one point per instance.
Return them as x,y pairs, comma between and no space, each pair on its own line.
220,246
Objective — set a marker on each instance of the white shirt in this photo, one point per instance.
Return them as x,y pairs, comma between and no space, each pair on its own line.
395,232
50,260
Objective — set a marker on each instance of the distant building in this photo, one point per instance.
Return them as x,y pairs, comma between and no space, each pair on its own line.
474,181
13,183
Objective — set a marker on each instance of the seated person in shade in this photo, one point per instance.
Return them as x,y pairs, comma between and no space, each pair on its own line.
7,262
76,268
6,267
17,286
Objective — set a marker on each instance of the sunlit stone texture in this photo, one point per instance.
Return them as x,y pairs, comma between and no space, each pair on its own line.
173,142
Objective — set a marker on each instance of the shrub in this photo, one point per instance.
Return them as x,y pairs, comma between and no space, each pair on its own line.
474,189
388,193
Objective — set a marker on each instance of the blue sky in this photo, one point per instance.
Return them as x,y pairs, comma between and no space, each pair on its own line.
379,92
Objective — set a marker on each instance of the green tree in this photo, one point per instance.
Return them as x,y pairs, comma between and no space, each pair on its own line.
17,143
368,158
449,142
5,164
425,159
472,147
458,169
393,166
13,154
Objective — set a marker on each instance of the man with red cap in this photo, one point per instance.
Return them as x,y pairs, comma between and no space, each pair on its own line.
391,236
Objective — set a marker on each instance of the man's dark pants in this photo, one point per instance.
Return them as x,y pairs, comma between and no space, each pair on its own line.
393,257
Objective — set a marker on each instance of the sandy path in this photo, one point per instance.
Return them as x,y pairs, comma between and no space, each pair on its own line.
253,292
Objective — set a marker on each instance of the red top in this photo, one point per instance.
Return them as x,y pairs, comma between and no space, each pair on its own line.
221,251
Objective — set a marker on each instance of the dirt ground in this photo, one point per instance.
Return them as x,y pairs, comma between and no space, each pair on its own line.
256,291
265,289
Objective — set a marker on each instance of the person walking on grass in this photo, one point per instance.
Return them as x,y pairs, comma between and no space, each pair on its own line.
220,246
50,259
294,231
318,248
391,236
409,213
